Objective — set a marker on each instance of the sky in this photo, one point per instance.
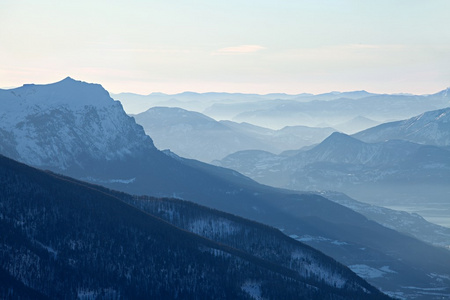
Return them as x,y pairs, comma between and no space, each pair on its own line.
264,46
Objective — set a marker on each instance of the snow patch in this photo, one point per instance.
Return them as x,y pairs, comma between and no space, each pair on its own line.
49,249
441,115
215,252
108,293
387,269
102,181
309,238
125,181
306,264
439,277
253,289
211,227
368,272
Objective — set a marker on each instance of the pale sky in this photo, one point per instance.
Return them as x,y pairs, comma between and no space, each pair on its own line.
263,46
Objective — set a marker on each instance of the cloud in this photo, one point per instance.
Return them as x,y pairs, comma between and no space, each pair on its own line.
242,49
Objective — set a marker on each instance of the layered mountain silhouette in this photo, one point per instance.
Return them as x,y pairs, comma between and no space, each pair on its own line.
333,110
76,129
349,112
62,238
135,103
369,171
194,135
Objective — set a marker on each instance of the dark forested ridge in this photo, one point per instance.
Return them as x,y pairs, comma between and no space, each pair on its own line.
63,239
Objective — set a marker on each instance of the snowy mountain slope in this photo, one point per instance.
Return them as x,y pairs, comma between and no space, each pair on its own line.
335,230
78,119
431,128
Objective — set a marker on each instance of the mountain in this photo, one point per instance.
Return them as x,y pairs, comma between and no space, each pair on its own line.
349,111
66,239
55,123
132,164
337,95
135,103
194,135
286,138
383,173
430,128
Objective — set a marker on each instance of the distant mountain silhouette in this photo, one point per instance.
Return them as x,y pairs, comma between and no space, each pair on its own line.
194,135
346,111
372,172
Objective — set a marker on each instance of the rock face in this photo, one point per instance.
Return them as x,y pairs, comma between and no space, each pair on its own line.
50,125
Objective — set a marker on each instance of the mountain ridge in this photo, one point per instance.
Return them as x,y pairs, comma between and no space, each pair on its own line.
191,134
431,127
71,232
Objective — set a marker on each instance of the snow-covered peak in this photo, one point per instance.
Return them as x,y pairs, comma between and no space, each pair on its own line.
67,92
58,124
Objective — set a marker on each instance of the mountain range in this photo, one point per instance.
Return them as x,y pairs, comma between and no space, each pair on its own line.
193,135
349,112
76,129
135,103
378,108
392,171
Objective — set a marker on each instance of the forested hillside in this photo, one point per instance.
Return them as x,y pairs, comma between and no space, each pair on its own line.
63,239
